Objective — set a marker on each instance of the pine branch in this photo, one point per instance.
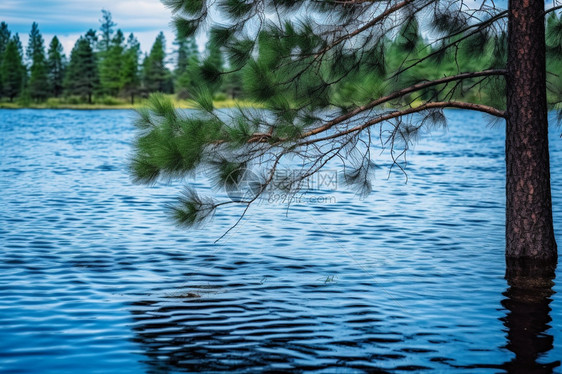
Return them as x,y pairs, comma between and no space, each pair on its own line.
265,137
400,113
479,27
368,25
400,93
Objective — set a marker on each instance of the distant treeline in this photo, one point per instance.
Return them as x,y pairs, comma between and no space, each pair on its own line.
103,64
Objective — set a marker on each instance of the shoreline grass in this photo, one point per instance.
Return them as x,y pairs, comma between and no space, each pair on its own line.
114,103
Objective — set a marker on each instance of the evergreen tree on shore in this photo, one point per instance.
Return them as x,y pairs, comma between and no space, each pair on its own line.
82,76
106,30
111,66
156,77
130,79
187,66
213,67
56,66
4,37
182,54
92,38
38,80
12,69
4,40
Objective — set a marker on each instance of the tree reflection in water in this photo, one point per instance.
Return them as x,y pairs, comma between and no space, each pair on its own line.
528,316
192,332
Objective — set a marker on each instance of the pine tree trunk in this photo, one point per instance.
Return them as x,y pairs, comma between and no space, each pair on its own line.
529,228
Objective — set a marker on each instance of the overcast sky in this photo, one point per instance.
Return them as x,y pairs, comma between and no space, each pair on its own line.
68,19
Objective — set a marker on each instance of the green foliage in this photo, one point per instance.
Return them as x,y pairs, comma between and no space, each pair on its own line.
106,28
239,52
204,99
38,80
189,81
211,70
554,58
448,20
12,70
82,77
259,81
191,7
187,65
308,63
186,50
130,76
169,144
111,65
56,64
240,132
228,173
236,8
4,40
156,77
92,37
499,52
231,86
118,71
185,28
409,38
192,210
554,35
4,37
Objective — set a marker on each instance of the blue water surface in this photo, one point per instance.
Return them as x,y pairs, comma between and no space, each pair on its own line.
95,278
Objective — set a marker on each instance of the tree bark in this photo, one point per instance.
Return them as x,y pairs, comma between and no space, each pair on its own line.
529,228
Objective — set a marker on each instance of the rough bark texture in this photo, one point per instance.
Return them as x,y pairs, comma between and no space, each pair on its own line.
529,228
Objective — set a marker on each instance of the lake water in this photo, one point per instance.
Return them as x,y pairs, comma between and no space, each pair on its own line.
94,277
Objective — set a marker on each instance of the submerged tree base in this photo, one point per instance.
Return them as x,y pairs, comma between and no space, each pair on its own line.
528,318
531,275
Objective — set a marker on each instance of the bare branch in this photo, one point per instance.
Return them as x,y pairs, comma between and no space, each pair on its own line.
553,9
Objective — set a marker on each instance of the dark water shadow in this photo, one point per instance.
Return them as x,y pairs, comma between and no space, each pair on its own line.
184,334
190,332
527,301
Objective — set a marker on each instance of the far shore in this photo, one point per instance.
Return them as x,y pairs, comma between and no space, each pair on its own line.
181,104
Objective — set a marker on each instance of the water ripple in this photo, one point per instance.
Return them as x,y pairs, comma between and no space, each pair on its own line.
409,279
